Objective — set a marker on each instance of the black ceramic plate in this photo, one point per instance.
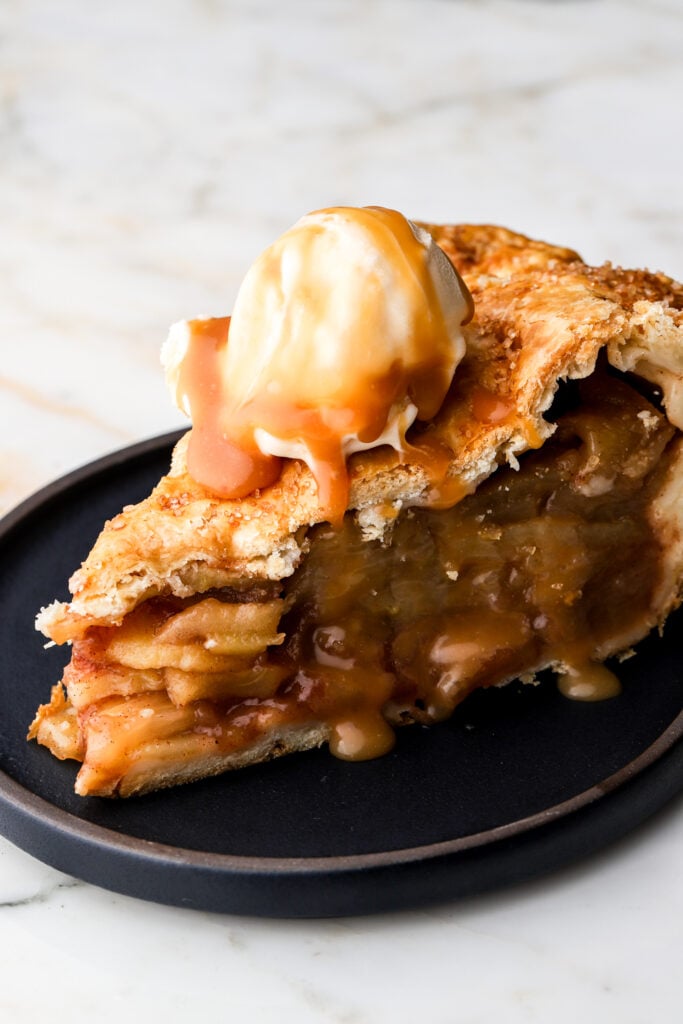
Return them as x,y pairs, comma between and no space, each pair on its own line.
519,782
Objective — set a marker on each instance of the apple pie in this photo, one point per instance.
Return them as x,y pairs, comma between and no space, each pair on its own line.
532,521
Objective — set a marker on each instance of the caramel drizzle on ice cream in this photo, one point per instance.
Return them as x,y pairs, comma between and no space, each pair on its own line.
345,331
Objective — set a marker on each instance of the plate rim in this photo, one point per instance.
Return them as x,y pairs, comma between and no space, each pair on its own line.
20,797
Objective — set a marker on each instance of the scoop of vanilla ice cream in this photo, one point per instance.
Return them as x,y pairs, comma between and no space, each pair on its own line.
354,315
173,352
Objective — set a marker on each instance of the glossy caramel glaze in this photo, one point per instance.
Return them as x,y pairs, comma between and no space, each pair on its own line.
226,467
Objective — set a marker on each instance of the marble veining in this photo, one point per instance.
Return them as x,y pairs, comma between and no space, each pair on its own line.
41,896
148,152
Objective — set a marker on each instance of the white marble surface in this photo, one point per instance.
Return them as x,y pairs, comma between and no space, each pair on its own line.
147,152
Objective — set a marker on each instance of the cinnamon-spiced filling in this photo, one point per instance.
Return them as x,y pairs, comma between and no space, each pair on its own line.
544,565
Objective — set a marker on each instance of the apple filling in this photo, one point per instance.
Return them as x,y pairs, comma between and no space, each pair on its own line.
555,564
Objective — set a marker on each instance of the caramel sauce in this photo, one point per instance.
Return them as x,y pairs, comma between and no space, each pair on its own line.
230,469
362,737
590,681
443,490
489,407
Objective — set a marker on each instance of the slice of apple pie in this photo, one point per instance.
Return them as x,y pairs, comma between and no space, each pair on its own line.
389,498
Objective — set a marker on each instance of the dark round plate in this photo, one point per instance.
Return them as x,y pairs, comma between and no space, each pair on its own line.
518,782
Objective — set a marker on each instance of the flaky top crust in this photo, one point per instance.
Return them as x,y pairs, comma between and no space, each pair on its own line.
541,315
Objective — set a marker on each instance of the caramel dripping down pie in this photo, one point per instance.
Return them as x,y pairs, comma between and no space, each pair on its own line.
535,522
